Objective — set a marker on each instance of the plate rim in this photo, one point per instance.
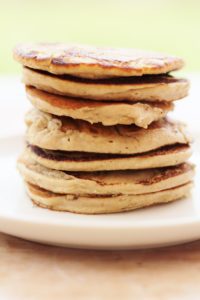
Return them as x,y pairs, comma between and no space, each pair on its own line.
21,218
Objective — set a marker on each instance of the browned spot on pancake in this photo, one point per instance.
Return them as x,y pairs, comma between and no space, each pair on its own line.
159,174
168,172
86,156
145,79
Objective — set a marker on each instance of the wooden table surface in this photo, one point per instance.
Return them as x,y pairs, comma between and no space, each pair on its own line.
33,271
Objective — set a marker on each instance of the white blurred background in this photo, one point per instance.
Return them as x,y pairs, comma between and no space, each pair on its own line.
166,25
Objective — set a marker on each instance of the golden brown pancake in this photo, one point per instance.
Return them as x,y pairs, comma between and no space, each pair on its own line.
82,161
99,140
62,133
108,113
132,182
94,62
96,204
144,88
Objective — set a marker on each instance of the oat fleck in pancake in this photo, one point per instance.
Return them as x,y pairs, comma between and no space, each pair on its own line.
144,88
94,62
108,113
62,133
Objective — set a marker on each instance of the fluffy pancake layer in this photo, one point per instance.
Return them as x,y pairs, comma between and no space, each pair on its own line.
145,88
104,183
94,62
61,133
81,161
96,204
108,113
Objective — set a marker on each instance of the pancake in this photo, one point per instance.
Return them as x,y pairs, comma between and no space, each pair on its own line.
145,88
62,133
82,161
104,183
94,62
108,113
95,204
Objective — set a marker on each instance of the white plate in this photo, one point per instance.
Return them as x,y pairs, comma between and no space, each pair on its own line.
161,225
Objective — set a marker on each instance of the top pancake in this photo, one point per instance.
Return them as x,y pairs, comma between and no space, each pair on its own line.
94,62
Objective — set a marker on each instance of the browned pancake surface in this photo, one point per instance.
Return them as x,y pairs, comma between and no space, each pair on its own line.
134,80
76,103
94,62
86,156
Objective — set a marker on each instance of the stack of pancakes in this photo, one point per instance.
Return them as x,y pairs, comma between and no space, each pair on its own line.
98,139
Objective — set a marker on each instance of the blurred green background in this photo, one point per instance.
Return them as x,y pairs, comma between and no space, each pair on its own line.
163,25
